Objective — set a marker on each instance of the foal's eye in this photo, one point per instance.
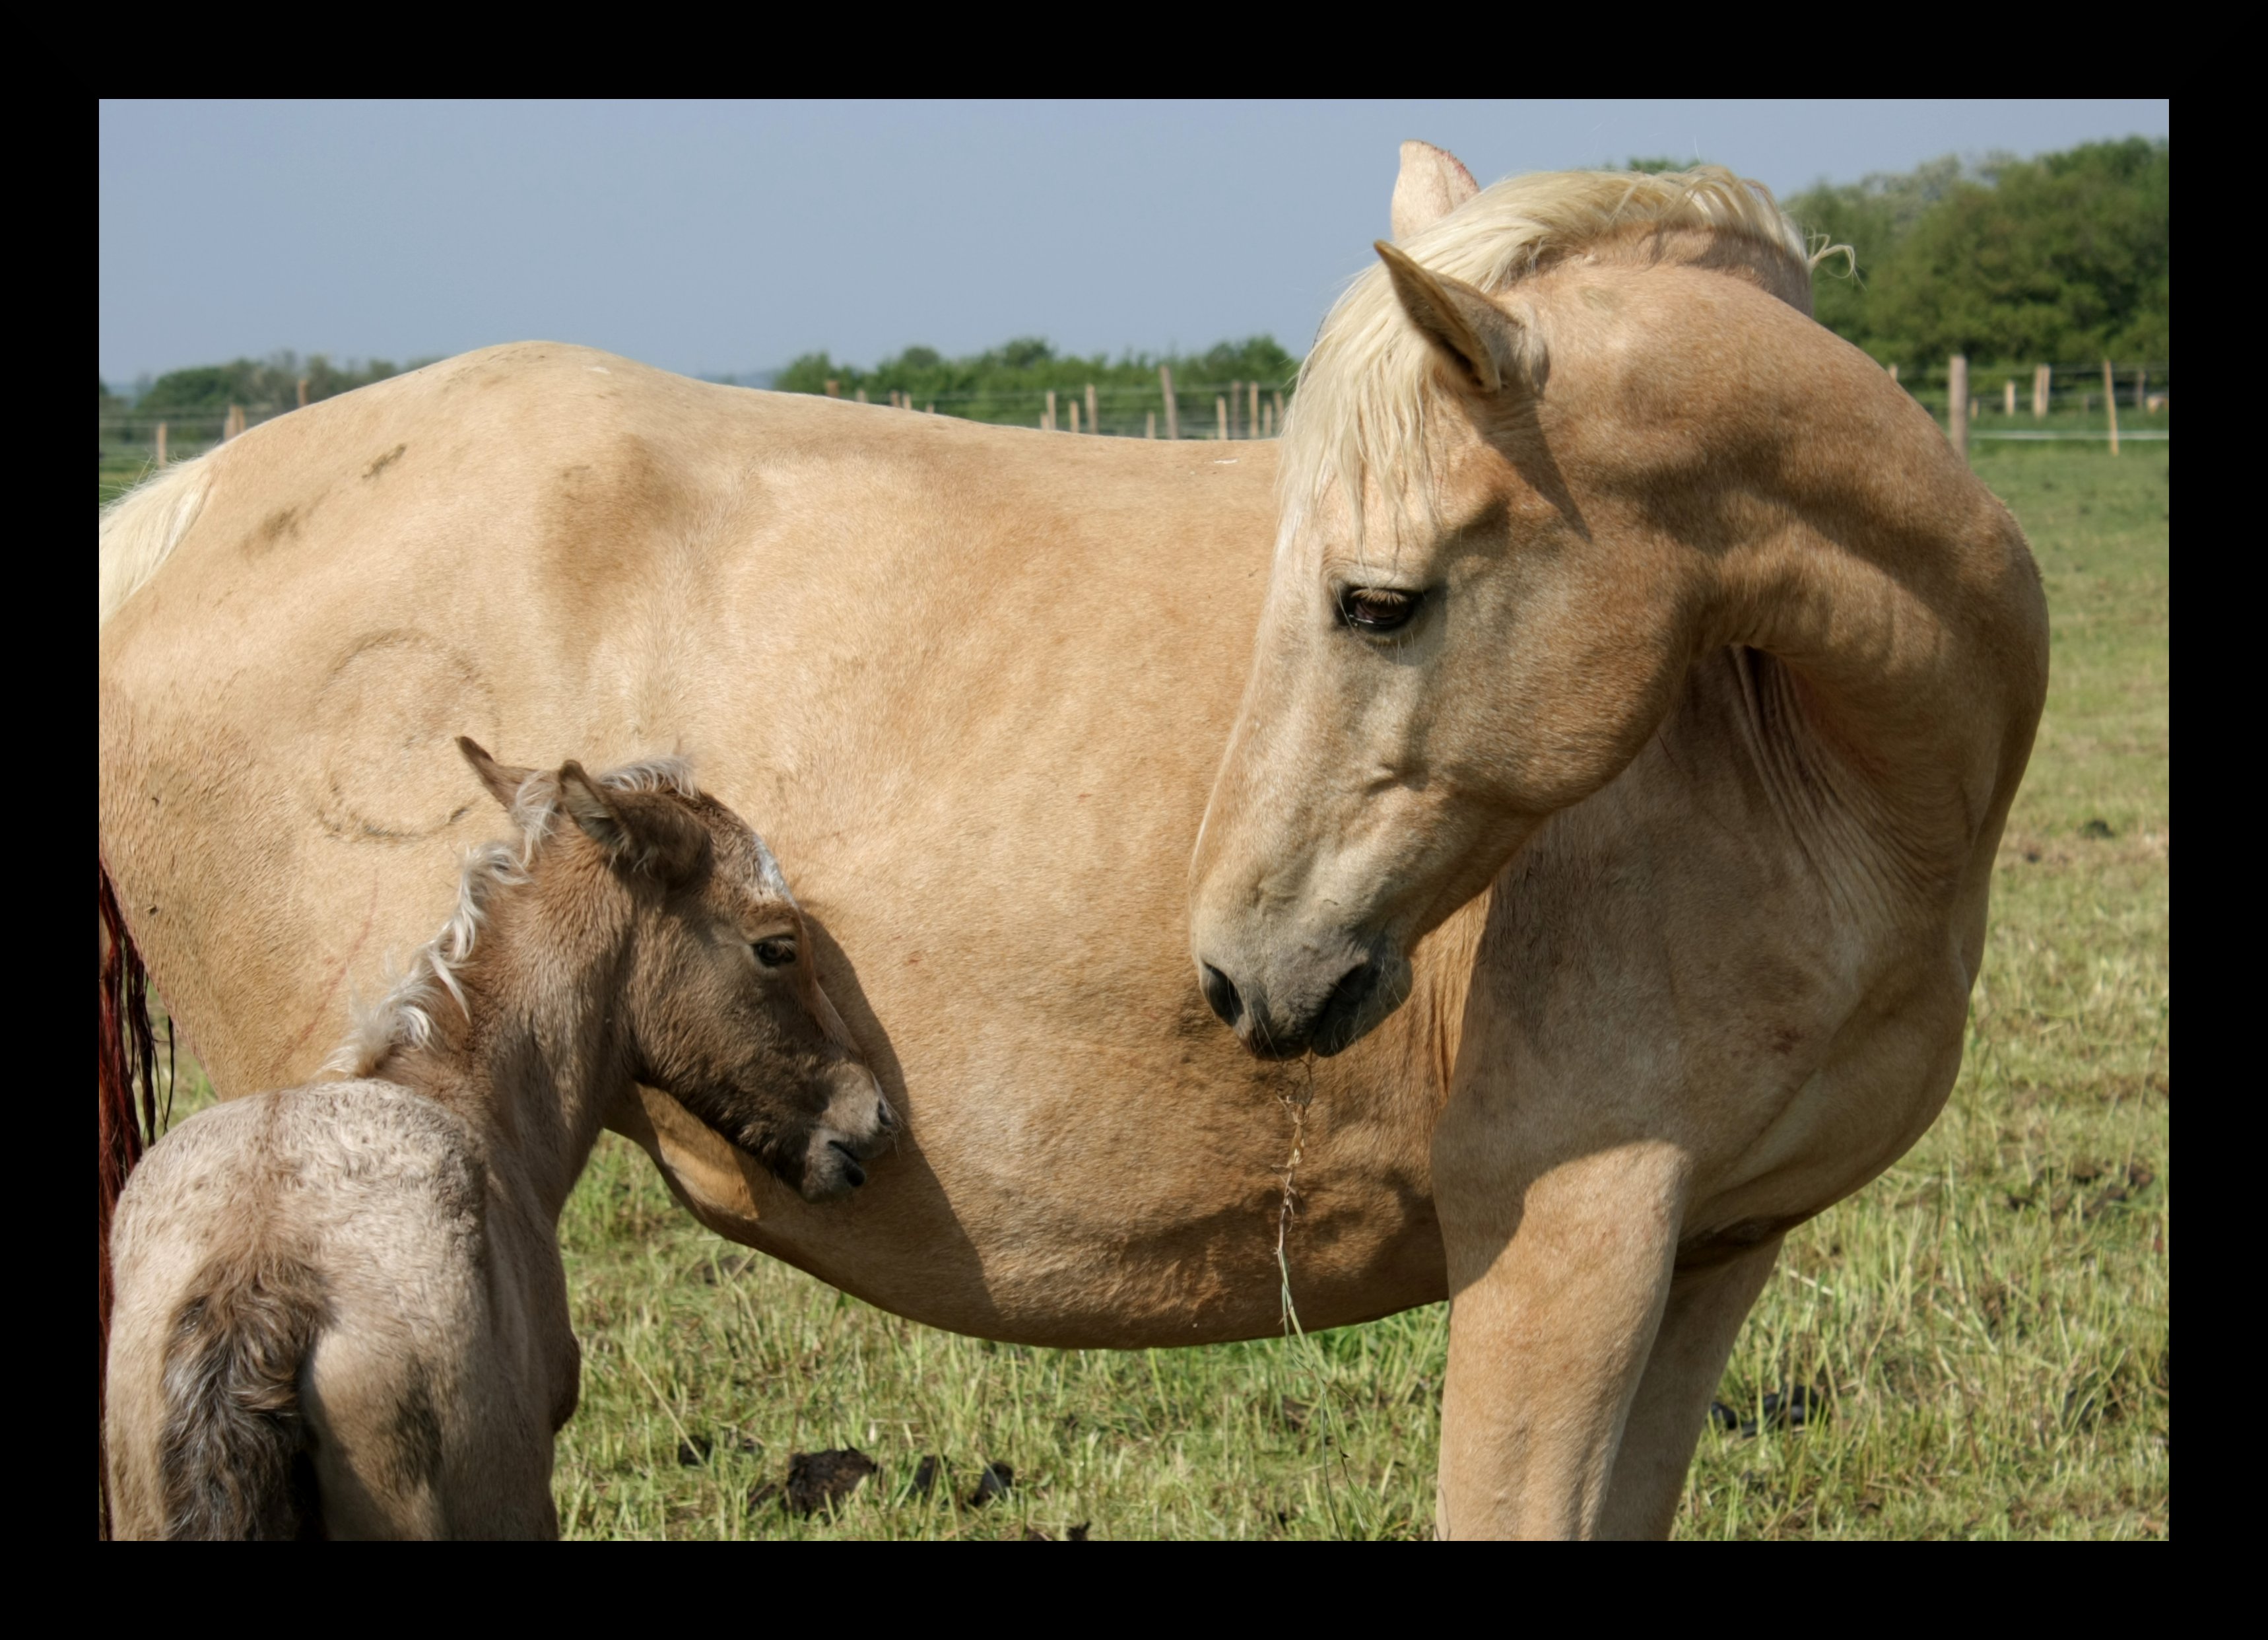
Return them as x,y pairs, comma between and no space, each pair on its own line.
1377,609
775,953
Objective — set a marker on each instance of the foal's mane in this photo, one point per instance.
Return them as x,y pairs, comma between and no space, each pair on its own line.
403,1017
1368,385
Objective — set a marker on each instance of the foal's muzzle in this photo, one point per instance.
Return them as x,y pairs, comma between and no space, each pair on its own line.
858,1122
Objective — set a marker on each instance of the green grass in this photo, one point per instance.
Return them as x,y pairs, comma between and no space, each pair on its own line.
1989,1321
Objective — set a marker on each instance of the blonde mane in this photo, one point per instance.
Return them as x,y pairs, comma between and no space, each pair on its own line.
1368,385
403,1017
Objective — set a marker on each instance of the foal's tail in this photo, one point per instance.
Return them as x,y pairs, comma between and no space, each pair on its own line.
231,1456
126,1095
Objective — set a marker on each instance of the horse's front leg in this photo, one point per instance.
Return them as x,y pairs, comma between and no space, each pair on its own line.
1560,1253
1698,1326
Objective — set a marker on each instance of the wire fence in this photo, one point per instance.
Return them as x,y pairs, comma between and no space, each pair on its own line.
2041,403
2020,402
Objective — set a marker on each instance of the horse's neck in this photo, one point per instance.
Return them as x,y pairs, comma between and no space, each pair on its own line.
1904,611
536,1059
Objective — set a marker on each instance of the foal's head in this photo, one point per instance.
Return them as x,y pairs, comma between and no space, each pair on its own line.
718,997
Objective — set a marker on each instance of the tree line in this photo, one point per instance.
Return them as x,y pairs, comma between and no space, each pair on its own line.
2061,259
1003,383
272,383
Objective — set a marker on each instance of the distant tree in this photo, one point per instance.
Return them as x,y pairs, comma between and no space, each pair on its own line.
2057,260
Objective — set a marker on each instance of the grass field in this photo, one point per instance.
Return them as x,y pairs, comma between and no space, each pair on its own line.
1988,1324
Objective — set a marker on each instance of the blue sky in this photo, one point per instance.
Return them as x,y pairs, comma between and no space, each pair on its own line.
725,237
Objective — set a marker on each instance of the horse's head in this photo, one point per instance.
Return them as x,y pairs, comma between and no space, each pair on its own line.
1476,615
720,1002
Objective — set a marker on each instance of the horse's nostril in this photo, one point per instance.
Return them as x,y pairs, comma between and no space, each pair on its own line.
1220,994
883,1120
853,1175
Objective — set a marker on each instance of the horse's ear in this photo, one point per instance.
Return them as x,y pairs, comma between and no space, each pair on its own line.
1432,183
502,779
642,830
1487,348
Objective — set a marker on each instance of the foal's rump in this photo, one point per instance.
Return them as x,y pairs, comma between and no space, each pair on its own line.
299,1275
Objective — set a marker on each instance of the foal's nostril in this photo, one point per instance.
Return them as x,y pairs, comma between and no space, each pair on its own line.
1220,994
853,1175
884,1120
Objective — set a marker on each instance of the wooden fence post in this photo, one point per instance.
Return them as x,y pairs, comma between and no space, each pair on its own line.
303,393
1252,421
862,396
1235,407
1047,416
1893,373
1093,421
2142,387
932,410
161,444
834,388
1074,415
2040,379
2008,398
2110,404
1150,423
1219,417
1278,402
1173,410
1956,403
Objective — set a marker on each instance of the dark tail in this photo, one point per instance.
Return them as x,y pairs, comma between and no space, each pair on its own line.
126,1066
232,1456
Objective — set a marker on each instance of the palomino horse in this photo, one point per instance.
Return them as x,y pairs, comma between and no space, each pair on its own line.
341,1310
1593,546
984,677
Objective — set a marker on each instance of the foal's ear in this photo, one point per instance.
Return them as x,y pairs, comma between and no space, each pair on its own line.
502,779
1485,348
1433,182
641,830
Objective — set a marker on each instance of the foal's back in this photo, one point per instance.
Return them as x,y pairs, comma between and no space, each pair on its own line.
316,1301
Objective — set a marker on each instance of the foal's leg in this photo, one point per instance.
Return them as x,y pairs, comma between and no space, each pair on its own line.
1558,1270
1703,1318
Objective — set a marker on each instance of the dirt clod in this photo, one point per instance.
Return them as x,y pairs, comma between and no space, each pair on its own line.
817,1481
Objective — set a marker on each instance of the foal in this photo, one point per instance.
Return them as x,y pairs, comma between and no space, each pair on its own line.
340,1310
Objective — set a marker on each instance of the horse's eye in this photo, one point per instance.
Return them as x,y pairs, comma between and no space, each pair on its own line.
775,953
1377,609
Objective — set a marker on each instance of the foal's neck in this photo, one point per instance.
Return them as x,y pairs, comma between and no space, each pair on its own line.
538,1053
